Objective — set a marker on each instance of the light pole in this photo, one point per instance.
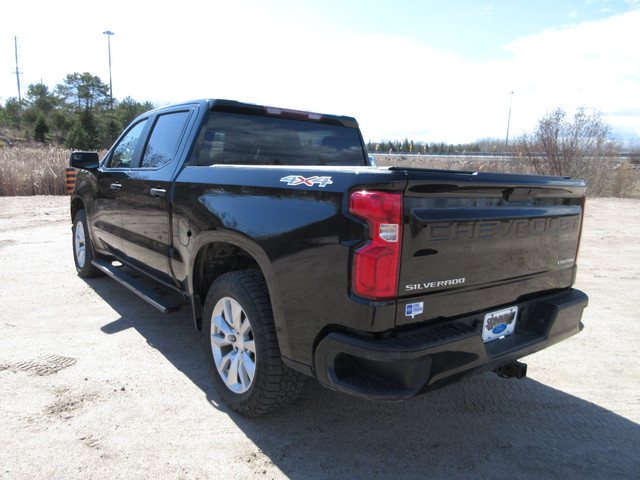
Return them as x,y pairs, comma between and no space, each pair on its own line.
108,33
15,39
506,141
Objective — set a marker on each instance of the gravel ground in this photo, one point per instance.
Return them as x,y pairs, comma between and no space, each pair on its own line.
97,384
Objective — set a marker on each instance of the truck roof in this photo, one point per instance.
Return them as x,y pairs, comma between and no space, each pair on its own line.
233,106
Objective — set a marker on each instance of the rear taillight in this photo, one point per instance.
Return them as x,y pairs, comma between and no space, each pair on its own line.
376,265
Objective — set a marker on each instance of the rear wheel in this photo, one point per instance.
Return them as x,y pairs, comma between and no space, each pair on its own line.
82,247
241,346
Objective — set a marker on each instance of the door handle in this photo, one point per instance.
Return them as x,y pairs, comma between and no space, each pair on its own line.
158,192
115,186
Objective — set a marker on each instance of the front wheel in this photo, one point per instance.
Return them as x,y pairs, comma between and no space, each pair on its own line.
241,346
82,247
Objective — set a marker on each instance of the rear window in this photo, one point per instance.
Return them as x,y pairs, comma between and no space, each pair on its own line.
164,139
239,139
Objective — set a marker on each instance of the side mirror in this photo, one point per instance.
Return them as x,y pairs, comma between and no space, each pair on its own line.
86,160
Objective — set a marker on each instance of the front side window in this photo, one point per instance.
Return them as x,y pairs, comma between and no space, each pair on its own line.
164,139
125,149
241,139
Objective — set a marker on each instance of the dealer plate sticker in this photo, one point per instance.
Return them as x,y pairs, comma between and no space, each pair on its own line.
499,324
413,309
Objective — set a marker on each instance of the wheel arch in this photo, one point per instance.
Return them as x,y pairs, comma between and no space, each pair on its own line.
77,204
220,252
214,259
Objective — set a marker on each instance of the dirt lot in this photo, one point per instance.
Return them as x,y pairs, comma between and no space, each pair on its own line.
97,384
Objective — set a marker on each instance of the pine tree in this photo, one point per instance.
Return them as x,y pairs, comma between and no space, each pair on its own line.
78,138
41,129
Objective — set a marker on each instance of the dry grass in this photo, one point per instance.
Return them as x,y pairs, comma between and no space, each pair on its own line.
33,170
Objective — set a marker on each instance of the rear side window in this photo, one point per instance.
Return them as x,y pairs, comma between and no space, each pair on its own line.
125,149
239,139
164,139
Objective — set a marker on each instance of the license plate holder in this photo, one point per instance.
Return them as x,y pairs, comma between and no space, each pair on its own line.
499,324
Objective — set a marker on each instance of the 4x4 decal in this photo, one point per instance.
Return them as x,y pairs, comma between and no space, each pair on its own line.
309,182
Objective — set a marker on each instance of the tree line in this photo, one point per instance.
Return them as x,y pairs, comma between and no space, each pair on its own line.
409,146
79,113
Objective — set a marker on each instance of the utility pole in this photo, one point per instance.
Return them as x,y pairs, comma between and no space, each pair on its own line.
108,33
506,141
15,41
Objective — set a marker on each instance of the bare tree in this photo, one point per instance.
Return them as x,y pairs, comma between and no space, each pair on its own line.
580,147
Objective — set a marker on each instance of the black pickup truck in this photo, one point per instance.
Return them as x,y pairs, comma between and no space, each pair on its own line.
299,257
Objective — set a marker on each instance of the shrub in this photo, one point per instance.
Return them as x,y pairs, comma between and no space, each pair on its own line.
578,147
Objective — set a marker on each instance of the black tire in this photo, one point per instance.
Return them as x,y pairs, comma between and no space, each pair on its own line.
82,247
259,382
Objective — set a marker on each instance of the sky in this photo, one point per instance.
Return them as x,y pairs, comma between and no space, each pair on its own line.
430,71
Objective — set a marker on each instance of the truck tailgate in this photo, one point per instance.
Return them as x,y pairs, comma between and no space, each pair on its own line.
474,241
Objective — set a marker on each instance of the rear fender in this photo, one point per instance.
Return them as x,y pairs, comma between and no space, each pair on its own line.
253,257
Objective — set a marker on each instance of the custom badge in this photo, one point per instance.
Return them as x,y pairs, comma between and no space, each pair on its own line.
309,182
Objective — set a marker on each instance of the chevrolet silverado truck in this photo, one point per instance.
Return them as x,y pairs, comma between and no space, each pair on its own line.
300,258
